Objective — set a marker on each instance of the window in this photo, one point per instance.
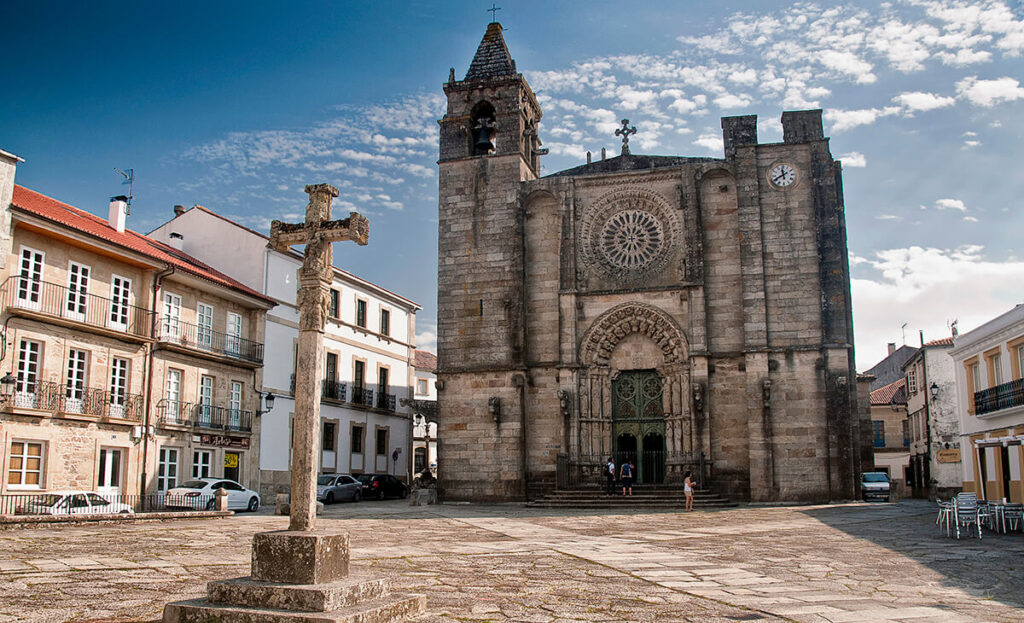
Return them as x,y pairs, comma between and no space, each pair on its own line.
329,434
421,386
235,405
205,400
120,292
359,393
361,313
172,314
118,386
332,388
201,460
382,441
74,390
385,322
332,311
78,290
879,427
1020,361
357,440
382,388
167,469
906,433
204,325
25,467
28,368
30,281
233,343
997,369
173,395
912,380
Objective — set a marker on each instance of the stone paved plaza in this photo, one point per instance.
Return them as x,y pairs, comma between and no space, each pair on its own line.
857,562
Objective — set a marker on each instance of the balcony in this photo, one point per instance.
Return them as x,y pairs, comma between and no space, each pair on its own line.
178,413
50,396
361,396
334,390
999,397
172,331
50,301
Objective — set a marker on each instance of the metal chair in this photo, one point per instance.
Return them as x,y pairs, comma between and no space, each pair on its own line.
1013,517
987,515
965,513
945,516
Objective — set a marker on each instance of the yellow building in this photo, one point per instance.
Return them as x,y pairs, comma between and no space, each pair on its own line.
128,366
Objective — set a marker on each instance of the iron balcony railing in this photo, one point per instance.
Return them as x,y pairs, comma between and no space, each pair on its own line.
361,396
50,396
172,331
999,397
213,417
70,303
334,390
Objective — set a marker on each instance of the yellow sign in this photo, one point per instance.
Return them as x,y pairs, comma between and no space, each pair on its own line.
950,455
231,460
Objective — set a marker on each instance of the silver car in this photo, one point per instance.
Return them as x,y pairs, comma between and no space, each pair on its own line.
331,488
199,494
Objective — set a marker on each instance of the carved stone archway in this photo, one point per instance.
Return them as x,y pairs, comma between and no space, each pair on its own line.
593,425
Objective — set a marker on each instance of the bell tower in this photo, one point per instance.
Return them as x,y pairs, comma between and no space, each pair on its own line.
488,147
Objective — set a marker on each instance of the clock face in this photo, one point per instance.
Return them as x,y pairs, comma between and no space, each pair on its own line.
782,175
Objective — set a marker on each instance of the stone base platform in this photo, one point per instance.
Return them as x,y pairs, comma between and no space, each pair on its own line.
355,599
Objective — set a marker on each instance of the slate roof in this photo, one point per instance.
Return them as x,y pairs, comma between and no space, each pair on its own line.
425,360
890,369
84,222
630,162
893,393
492,59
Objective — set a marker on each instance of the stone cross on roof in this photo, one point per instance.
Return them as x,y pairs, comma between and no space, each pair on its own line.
624,132
315,276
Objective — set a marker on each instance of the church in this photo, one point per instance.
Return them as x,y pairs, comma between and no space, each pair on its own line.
682,313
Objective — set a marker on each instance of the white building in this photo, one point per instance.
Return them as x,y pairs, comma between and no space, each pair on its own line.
989,366
368,344
932,419
424,437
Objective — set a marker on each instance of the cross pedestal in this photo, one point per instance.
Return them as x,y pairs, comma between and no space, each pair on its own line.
302,574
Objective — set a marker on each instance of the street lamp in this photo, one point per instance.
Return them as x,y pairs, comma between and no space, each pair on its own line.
934,390
265,399
7,382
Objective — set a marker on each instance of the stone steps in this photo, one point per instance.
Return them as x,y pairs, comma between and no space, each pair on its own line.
395,607
645,496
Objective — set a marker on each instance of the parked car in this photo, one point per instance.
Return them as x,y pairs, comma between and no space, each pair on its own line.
380,486
875,486
331,488
72,503
198,494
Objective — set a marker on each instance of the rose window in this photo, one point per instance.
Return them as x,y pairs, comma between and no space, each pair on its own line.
631,239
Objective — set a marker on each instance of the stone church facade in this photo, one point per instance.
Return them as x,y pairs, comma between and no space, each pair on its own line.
686,313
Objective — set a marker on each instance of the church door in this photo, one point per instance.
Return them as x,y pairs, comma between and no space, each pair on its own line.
638,423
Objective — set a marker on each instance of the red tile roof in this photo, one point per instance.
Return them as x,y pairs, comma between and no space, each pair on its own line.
946,341
425,361
893,393
79,220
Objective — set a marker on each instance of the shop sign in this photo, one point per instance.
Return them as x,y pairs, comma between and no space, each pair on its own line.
948,455
224,441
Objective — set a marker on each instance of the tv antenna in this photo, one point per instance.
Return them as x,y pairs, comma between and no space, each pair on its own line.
903,329
129,178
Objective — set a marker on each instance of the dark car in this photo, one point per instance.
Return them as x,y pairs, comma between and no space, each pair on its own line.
380,486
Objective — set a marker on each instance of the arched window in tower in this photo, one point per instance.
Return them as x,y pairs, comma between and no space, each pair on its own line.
484,128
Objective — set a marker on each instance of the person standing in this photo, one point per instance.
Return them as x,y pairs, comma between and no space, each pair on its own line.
626,474
688,485
609,472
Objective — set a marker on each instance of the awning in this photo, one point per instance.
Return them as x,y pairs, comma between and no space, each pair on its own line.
991,442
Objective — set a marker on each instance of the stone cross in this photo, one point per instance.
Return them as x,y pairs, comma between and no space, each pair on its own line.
315,276
624,132
494,12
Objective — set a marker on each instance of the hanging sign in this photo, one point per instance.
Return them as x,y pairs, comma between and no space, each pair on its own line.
948,455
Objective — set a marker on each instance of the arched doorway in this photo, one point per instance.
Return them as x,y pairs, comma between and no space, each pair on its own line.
638,423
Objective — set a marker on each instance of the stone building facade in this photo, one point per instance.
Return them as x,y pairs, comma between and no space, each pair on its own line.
686,313
131,365
932,421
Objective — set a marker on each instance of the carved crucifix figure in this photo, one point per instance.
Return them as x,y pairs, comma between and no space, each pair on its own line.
315,276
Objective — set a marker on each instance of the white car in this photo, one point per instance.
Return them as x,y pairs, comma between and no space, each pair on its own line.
198,494
72,503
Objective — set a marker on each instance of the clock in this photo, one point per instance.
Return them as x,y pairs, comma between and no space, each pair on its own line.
782,175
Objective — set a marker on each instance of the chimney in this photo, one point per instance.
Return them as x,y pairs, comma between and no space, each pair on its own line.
118,212
8,163
177,241
179,210
892,347
921,334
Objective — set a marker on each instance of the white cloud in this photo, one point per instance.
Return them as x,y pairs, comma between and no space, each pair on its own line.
730,100
988,93
849,64
950,204
888,217
970,219
711,142
854,159
426,338
924,287
918,100
847,119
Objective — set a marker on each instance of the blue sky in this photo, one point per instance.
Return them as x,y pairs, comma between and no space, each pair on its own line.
235,106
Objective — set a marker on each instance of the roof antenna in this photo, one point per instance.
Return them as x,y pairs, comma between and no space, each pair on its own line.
129,178
903,328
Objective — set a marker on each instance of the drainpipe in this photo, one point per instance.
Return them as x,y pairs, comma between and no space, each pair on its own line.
157,279
927,422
